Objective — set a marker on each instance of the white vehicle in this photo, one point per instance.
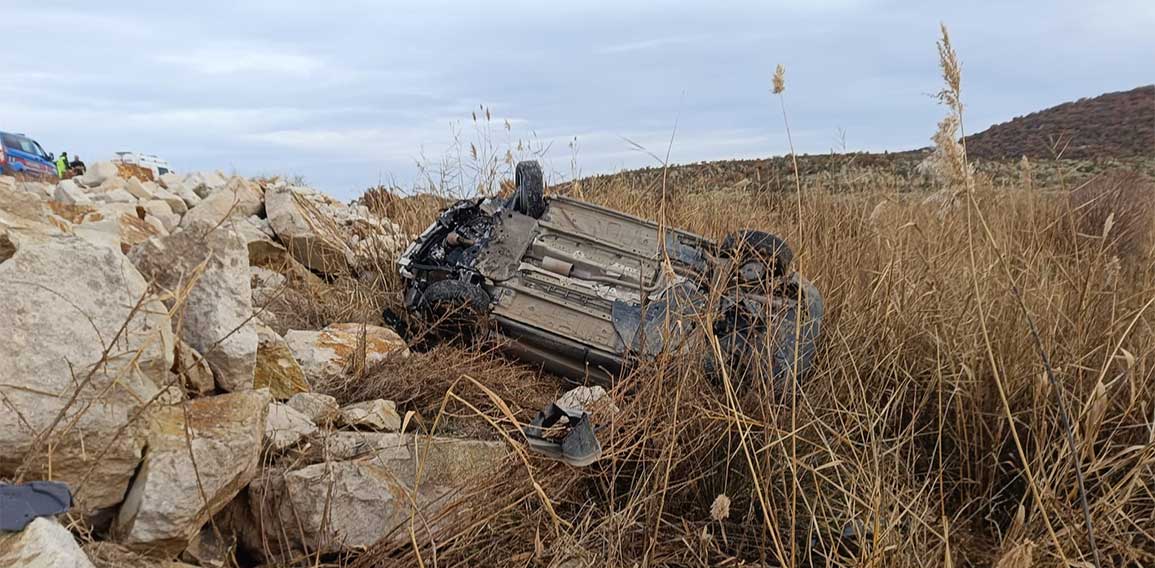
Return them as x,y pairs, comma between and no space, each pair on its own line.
158,166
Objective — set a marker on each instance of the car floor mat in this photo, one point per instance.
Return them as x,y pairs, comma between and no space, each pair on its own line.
21,504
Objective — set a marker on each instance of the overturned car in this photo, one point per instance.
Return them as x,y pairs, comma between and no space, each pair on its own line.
585,291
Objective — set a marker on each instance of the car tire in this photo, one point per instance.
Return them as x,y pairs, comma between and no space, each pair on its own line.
529,198
456,310
760,245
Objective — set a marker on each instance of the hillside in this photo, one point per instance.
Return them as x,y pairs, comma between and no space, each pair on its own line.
1113,125
1096,135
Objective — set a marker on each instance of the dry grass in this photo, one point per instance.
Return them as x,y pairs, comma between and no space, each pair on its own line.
906,429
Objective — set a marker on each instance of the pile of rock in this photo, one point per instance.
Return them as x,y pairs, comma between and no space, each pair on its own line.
135,370
318,231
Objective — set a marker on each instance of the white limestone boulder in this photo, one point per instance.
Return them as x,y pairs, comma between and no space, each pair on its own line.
238,199
276,368
216,313
67,191
98,173
305,224
70,366
373,414
286,426
347,506
329,352
200,455
320,409
44,543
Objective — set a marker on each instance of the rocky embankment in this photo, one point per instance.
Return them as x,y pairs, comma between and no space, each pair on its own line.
139,368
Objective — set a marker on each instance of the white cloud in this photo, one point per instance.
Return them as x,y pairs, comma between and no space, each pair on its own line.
649,44
351,143
241,59
217,119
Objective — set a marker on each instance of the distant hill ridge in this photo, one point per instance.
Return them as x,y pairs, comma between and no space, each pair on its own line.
1112,125
1090,135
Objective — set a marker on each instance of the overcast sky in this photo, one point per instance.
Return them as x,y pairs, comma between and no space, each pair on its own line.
350,93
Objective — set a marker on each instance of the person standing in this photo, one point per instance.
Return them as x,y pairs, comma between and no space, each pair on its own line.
61,164
76,166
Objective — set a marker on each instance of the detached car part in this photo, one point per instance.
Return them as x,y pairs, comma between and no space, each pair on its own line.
21,504
564,434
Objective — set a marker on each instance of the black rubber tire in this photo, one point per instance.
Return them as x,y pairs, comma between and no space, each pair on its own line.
458,310
529,199
760,245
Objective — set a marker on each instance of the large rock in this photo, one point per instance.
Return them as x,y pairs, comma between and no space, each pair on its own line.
200,455
130,228
212,547
190,198
98,173
24,217
268,254
205,183
105,211
277,369
238,200
116,195
342,506
261,241
169,180
104,234
161,209
192,370
267,285
374,414
42,544
72,374
143,191
286,426
321,409
306,226
216,315
68,192
157,225
41,190
329,352
175,203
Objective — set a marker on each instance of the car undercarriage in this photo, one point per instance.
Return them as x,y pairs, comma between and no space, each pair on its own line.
583,290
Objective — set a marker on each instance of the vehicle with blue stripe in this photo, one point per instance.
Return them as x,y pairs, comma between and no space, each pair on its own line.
23,157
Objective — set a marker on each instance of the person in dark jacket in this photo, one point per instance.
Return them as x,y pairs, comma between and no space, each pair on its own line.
77,167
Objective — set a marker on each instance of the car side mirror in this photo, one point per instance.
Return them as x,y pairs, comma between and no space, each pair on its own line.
51,157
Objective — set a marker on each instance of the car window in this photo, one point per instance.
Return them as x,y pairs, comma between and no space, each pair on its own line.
24,145
10,141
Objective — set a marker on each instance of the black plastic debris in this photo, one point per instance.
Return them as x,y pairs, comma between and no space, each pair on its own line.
564,434
21,504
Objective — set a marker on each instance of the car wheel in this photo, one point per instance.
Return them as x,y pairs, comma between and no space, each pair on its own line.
759,245
529,199
456,310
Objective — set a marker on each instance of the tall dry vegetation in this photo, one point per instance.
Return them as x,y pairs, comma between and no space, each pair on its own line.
927,435
928,422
